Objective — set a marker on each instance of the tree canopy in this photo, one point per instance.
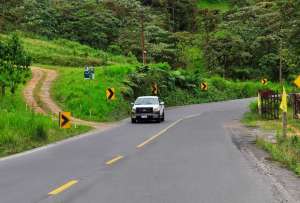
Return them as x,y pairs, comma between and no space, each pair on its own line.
248,41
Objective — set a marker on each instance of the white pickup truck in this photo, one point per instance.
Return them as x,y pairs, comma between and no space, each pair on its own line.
148,108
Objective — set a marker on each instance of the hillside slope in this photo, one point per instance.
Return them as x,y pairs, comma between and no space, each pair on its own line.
62,52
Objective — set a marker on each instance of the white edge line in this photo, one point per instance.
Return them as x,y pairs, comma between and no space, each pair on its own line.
58,143
78,137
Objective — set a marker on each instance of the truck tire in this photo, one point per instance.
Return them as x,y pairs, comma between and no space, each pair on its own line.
163,117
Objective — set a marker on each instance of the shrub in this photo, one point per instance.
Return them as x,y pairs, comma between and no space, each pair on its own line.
40,133
253,107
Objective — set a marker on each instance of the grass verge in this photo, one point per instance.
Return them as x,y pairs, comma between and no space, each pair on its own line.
22,129
285,151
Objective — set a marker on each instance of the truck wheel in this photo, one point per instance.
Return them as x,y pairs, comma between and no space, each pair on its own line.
163,117
133,120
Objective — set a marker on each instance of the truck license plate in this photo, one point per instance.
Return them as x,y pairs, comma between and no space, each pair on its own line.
144,116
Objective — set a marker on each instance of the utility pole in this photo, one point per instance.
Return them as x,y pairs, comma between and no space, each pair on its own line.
144,52
173,18
280,62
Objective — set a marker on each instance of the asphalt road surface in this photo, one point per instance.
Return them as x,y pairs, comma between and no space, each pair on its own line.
190,158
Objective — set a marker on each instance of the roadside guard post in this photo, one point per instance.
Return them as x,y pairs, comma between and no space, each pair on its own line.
283,107
259,103
65,120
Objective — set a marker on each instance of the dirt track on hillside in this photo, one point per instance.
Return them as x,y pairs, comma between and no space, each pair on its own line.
46,105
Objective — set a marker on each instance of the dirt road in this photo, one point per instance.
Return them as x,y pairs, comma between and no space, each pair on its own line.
37,95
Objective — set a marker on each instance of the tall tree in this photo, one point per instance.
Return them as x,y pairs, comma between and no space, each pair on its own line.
14,64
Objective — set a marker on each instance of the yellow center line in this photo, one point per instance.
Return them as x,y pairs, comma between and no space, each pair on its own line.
158,134
63,187
114,160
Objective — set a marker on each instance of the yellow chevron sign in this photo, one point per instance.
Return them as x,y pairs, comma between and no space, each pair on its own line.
264,81
297,81
204,86
111,93
154,89
65,120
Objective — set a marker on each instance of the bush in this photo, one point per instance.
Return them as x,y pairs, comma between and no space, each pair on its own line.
40,133
253,107
183,86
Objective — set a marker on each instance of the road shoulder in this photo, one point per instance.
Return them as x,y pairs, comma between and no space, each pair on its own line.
283,180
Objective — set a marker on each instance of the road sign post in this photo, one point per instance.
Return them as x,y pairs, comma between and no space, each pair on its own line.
259,103
92,73
89,73
65,120
86,73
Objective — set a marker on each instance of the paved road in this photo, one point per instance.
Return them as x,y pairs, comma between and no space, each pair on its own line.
193,161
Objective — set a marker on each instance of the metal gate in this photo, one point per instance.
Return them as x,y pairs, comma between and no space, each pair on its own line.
270,102
296,105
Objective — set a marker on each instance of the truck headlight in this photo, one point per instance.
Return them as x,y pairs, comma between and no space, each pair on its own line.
133,110
156,109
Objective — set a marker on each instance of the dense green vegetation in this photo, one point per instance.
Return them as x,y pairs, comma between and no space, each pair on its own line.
244,39
114,26
214,4
21,129
252,41
86,99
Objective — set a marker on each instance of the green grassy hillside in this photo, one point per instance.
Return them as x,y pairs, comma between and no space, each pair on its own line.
67,53
21,129
86,99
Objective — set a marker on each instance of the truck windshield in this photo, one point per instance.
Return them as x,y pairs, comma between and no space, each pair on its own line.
146,101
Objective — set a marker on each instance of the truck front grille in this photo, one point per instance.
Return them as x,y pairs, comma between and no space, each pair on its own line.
144,110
